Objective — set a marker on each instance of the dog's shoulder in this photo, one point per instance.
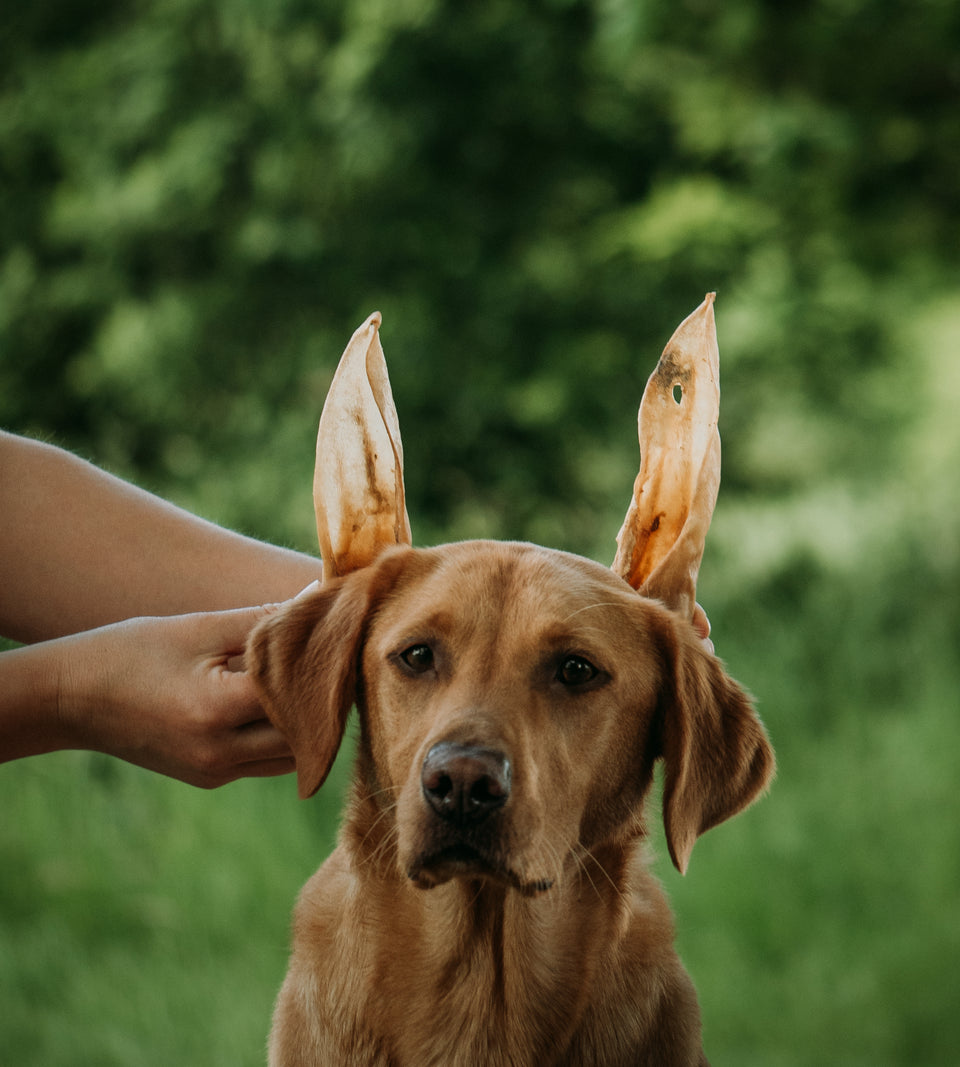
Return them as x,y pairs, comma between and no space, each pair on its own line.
324,900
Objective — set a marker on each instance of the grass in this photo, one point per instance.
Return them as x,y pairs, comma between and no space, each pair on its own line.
142,921
822,925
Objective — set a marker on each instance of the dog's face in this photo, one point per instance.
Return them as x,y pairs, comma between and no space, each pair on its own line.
513,702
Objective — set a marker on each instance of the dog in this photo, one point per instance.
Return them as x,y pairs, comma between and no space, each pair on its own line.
488,903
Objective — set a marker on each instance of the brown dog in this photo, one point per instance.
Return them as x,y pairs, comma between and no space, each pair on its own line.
488,902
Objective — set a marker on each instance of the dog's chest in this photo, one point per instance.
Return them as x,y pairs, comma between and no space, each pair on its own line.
447,977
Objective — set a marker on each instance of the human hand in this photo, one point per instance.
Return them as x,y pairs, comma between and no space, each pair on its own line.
165,694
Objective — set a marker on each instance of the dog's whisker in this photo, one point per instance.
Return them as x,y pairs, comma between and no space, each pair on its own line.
591,607
387,844
588,854
553,865
374,794
557,858
384,814
382,844
582,866
389,838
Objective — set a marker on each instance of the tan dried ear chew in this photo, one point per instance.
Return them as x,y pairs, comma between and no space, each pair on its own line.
358,490
358,479
660,546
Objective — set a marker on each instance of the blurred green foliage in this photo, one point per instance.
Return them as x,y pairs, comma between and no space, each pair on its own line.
199,204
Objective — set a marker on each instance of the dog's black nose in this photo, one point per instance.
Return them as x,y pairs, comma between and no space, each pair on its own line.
465,783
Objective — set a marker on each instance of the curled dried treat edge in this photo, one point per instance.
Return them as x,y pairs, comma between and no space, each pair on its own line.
358,491
660,545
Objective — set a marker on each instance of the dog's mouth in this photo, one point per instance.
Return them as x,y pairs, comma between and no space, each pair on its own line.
465,861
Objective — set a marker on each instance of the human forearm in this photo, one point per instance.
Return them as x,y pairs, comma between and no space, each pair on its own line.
30,722
80,549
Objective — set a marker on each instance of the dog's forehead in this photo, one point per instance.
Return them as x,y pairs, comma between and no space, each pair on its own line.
505,578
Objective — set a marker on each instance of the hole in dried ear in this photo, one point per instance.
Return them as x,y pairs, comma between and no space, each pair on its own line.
678,392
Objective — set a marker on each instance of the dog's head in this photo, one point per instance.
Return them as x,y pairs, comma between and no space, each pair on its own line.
513,701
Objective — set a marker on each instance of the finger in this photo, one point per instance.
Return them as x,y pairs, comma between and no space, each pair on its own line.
255,750
271,768
237,662
255,769
260,740
225,633
235,698
702,625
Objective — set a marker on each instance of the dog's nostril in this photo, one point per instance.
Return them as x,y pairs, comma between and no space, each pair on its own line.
485,791
438,786
465,783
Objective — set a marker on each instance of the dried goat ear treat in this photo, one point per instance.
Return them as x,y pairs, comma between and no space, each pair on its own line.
660,546
358,479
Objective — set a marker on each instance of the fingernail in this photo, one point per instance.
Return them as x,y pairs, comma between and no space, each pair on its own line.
307,590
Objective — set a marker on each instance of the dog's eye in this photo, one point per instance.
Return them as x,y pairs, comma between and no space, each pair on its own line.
418,658
575,670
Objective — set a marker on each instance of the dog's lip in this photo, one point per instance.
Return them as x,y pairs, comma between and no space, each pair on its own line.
463,859
453,859
461,855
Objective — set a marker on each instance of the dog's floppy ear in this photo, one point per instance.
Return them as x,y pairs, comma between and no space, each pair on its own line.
716,755
304,659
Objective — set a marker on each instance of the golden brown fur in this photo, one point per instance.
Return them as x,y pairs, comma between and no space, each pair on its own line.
469,918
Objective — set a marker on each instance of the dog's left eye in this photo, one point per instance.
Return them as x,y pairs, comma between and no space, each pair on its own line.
575,670
419,658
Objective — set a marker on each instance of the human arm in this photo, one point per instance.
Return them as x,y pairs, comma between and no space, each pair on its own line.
80,549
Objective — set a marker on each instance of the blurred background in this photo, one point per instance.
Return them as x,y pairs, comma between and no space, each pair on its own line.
200,201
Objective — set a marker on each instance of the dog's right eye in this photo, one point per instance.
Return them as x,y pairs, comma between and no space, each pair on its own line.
419,658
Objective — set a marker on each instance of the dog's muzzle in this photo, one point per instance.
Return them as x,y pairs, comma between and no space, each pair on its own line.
465,831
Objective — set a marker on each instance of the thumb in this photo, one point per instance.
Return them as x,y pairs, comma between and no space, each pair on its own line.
225,633
702,625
